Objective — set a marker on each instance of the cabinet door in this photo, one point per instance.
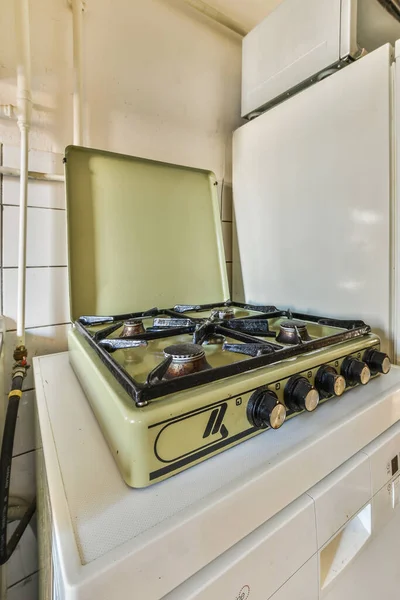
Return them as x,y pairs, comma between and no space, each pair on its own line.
375,573
303,585
262,562
296,41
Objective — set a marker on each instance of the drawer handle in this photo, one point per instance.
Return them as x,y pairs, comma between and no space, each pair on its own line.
345,546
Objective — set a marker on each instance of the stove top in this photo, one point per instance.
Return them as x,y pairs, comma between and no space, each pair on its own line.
183,383
208,342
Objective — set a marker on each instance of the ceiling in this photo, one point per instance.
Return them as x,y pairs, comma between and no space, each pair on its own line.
245,12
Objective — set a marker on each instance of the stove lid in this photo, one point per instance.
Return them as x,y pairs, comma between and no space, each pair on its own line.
141,234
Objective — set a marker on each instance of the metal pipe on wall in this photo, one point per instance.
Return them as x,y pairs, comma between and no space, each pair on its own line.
24,106
77,23
216,15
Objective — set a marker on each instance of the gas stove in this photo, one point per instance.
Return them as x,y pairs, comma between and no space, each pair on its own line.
176,386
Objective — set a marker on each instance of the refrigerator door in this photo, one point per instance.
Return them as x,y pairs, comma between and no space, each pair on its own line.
312,199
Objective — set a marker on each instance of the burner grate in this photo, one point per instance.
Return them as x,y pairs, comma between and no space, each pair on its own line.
257,352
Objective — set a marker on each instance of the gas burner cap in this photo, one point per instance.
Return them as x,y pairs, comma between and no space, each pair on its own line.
184,352
133,327
292,332
291,324
186,359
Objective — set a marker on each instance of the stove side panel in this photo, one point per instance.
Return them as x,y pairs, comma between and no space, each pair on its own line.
312,199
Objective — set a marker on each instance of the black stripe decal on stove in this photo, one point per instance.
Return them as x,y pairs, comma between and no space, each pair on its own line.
211,422
193,457
221,415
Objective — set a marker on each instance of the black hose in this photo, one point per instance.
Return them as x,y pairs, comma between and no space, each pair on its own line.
5,471
22,525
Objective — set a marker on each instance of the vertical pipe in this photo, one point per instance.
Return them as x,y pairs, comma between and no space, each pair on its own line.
24,105
23,197
77,19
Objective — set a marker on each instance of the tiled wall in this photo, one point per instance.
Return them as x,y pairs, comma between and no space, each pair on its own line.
47,316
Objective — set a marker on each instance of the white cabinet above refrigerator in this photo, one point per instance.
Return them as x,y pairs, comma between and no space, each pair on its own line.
303,40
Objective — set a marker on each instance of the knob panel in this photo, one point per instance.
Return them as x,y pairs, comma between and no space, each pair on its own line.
264,410
355,371
329,383
300,394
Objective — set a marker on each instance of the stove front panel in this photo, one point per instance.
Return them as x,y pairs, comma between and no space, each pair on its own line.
180,430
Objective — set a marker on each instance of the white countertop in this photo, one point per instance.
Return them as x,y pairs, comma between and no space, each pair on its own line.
108,534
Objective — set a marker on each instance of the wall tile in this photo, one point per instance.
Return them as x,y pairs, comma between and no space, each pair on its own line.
45,162
47,299
23,482
25,590
220,189
227,235
46,237
229,273
237,278
24,561
39,341
227,201
48,194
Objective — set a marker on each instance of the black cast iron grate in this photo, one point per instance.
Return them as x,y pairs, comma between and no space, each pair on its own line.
260,352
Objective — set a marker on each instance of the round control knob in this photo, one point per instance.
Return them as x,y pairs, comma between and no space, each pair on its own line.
328,382
301,395
355,371
378,362
264,410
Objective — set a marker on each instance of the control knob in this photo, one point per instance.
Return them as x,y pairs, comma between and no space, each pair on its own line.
355,371
378,362
264,410
300,394
328,382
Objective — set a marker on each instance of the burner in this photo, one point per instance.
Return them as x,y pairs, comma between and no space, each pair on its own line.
132,327
186,359
293,332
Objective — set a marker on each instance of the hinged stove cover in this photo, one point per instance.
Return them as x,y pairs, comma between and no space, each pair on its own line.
141,234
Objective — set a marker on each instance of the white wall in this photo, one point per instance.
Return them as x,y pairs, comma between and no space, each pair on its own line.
161,81
248,13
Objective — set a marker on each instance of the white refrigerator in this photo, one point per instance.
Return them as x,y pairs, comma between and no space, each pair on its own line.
316,195
316,183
